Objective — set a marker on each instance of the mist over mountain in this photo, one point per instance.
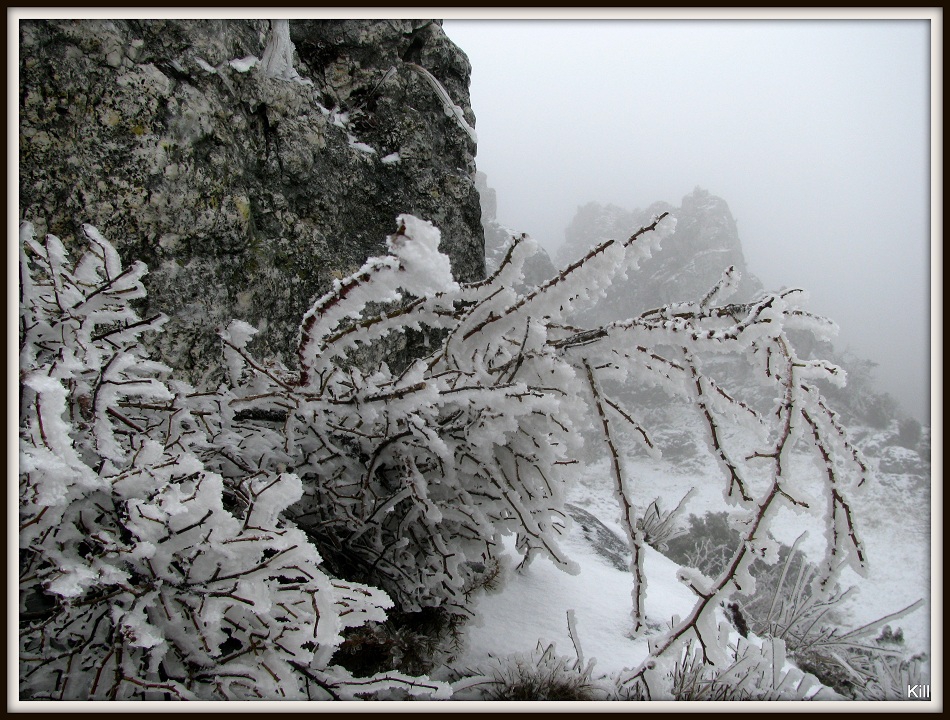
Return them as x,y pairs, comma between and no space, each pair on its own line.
301,419
690,262
819,141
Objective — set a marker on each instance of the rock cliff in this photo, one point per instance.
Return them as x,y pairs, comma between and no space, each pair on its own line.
246,183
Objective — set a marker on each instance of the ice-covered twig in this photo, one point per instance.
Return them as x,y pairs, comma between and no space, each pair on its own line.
451,109
628,516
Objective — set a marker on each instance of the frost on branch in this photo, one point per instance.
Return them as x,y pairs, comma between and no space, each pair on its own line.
144,573
411,478
215,544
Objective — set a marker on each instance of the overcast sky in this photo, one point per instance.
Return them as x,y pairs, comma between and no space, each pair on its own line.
816,133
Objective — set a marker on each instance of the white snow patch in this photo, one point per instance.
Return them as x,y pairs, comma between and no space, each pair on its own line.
244,64
206,67
533,608
357,145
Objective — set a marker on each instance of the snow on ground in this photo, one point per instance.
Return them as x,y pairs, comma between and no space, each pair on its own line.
892,515
532,607
897,537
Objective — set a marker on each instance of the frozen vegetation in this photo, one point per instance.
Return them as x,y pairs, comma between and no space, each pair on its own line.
529,501
337,531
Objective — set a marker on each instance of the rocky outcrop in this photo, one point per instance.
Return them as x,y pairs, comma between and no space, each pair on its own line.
245,190
498,239
601,538
689,263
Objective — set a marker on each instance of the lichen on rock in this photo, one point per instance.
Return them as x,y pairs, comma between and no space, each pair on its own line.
244,193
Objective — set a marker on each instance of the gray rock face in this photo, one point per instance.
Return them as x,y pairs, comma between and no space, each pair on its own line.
689,263
602,539
245,193
897,460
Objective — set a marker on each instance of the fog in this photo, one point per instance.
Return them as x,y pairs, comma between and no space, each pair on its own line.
816,133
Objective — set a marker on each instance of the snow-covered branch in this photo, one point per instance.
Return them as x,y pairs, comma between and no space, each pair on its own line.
216,544
146,574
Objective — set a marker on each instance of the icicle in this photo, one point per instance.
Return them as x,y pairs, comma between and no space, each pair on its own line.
278,60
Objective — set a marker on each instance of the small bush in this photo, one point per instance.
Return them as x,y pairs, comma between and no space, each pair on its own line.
541,675
706,545
890,637
788,605
751,672
660,527
909,433
694,681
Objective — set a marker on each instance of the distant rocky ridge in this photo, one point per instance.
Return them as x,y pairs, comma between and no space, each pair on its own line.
690,262
245,193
